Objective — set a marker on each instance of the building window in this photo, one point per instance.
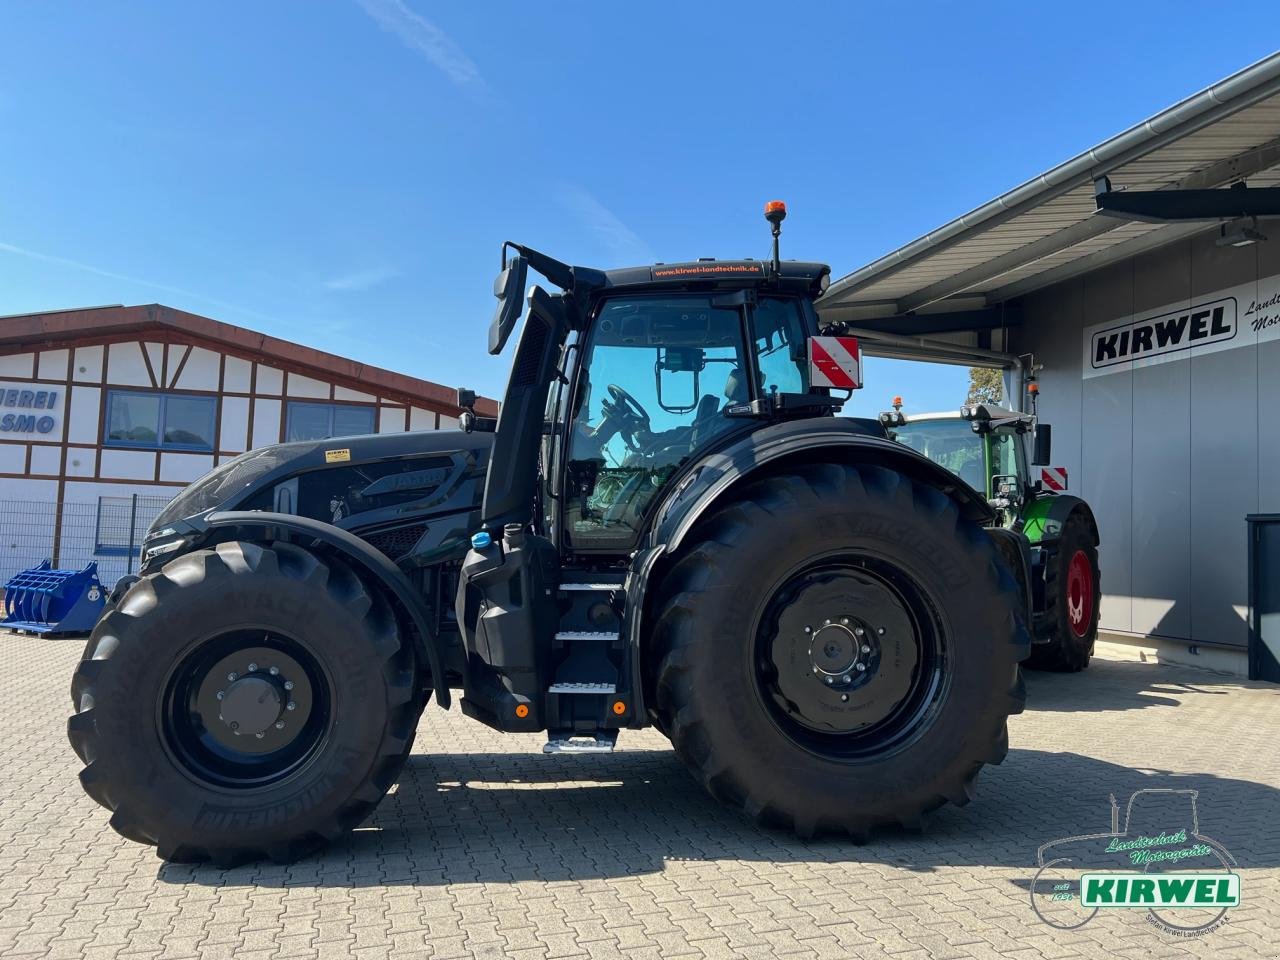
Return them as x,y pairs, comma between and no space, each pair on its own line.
167,421
320,421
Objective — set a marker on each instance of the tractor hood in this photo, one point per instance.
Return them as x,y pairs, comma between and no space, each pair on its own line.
251,480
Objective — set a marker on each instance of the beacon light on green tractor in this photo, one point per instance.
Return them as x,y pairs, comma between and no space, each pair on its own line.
665,526
985,446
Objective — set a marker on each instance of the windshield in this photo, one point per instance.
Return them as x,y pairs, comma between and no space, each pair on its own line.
949,443
658,373
219,486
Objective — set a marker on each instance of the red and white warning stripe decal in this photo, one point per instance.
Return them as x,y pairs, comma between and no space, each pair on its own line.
1053,478
835,362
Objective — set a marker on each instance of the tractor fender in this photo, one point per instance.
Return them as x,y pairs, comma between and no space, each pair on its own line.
831,439
258,525
1044,518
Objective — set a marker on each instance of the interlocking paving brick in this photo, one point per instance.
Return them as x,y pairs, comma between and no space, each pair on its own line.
487,849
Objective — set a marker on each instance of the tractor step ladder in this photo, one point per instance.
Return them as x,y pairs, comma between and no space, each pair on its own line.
582,687
588,657
603,636
601,741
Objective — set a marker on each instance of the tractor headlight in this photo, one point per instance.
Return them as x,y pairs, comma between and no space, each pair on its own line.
160,549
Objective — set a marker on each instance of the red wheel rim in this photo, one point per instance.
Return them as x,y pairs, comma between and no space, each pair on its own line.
1080,593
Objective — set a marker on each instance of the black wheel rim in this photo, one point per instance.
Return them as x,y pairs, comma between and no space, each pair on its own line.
851,658
245,708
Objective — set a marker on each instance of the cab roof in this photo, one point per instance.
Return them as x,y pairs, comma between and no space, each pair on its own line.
997,416
793,276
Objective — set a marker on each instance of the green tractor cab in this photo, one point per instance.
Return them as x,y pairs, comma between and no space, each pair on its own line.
986,447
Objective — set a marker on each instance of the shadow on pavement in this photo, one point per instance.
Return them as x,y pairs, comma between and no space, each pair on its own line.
1108,685
501,818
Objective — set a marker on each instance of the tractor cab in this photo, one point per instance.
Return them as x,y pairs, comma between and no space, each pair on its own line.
982,444
625,378
623,383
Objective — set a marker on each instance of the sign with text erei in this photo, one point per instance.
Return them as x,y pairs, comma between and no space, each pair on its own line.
1241,316
31,410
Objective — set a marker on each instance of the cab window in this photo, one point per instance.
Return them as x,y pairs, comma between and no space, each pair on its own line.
1005,447
951,444
657,375
780,346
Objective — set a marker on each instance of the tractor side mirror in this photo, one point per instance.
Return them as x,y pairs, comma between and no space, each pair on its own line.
509,289
1043,454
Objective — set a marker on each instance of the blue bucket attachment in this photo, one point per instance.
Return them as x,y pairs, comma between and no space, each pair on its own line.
44,600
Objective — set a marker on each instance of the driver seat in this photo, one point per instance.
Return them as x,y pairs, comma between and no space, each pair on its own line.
710,419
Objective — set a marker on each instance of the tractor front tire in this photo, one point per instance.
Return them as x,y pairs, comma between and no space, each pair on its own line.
246,701
1073,592
838,649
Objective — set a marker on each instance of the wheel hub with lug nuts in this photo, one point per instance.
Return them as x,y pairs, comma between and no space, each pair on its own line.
252,703
255,700
842,653
839,650
245,707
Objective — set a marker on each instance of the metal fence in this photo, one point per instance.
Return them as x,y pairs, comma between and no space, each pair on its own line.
70,533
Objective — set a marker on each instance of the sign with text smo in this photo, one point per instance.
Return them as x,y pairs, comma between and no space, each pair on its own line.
30,409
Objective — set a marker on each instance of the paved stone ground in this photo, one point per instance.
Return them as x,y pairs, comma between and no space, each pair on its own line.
488,849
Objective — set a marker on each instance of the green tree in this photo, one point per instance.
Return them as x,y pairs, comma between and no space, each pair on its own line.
985,385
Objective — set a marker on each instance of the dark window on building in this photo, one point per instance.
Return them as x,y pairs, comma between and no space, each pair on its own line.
168,421
319,421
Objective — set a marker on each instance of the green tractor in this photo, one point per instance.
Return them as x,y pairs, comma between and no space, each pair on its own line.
985,446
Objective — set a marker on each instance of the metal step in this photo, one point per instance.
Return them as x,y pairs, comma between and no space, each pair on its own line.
570,587
588,688
563,741
603,636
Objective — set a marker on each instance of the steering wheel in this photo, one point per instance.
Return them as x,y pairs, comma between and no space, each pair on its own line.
627,414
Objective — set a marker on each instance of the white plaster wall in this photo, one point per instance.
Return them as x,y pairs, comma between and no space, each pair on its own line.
129,464
83,424
266,422
53,364
342,393
420,419
126,366
235,375
300,386
81,462
155,351
46,460
13,457
27,489
270,380
18,365
391,419
87,364
184,467
234,429
200,372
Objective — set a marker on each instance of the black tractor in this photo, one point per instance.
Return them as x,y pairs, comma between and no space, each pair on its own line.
666,526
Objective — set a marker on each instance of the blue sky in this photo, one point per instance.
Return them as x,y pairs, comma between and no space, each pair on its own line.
342,172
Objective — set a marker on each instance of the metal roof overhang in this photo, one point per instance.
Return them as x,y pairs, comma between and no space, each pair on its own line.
939,297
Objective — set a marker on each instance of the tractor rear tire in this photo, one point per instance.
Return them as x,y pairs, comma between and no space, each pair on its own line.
837,649
1073,591
244,702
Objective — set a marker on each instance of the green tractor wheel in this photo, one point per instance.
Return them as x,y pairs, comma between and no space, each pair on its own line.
1073,595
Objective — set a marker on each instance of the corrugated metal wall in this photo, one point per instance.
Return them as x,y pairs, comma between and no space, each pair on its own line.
1171,455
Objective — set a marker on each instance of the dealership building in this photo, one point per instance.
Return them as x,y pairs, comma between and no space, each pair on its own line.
1139,284
106,413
